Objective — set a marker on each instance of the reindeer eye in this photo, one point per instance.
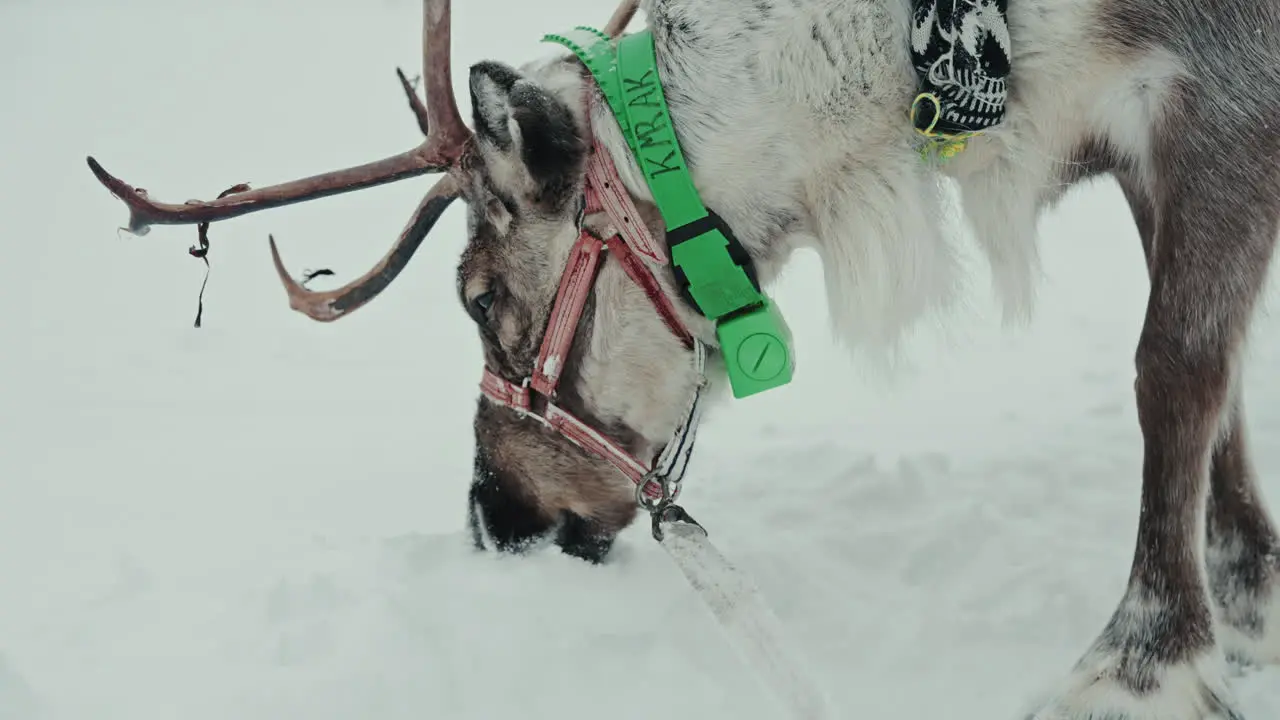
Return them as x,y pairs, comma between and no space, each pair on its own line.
481,303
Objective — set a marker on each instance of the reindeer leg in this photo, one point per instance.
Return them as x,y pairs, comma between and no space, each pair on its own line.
1210,240
1243,546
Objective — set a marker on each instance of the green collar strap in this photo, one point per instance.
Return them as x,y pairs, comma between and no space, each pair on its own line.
710,264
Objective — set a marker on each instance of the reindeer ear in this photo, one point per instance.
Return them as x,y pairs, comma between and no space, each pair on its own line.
550,146
491,84
517,116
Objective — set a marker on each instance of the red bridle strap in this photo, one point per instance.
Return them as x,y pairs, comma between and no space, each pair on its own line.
575,286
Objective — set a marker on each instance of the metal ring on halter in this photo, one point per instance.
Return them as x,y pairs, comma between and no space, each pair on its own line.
668,493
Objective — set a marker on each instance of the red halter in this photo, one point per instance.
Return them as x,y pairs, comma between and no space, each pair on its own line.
631,240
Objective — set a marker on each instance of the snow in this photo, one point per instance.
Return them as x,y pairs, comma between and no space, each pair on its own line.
264,518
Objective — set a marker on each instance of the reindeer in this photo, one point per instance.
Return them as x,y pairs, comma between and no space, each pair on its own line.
791,115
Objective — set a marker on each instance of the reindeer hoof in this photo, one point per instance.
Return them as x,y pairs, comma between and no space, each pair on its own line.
1105,687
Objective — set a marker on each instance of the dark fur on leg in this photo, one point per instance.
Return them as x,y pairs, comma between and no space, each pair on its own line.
1243,555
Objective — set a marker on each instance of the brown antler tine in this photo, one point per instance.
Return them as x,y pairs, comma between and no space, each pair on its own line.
621,18
329,305
448,136
415,104
145,212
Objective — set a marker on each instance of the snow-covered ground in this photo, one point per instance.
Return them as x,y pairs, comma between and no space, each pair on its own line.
264,518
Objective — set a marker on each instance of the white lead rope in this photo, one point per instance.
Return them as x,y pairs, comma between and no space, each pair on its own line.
752,629
748,623
674,460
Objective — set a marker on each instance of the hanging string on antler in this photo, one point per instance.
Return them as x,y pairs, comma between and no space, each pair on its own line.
202,250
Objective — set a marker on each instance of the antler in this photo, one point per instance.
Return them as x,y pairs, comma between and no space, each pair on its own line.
448,139
447,143
330,305
621,18
415,104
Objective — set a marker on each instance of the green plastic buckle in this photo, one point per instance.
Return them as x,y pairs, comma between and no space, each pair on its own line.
718,285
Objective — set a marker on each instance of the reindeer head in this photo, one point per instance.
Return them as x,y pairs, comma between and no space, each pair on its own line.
622,373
